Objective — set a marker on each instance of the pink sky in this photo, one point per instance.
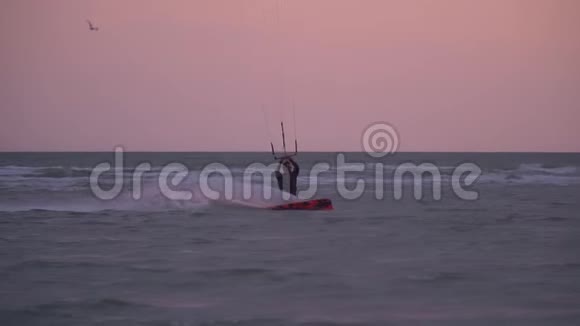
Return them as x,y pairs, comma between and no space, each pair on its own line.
450,75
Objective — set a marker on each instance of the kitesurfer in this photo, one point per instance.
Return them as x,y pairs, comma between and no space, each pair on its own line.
289,167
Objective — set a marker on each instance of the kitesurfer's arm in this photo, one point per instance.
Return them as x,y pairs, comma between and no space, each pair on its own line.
295,167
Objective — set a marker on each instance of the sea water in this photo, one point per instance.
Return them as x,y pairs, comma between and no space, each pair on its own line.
510,257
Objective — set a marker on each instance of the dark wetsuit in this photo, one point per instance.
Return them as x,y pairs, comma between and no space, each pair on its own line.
293,170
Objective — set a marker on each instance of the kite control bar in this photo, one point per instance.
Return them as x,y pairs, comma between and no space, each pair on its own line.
286,155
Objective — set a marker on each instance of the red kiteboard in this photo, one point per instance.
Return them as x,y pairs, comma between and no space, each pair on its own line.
309,205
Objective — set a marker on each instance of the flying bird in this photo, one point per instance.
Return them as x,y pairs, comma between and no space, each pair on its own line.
91,26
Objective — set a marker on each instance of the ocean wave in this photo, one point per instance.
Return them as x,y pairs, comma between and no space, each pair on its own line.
24,184
542,168
437,277
541,179
16,170
65,171
151,200
55,264
260,274
98,305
